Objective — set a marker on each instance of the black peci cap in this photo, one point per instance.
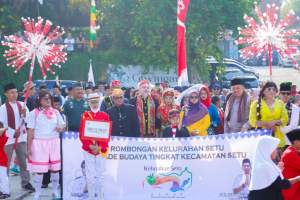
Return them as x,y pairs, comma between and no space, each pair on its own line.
294,135
9,86
237,81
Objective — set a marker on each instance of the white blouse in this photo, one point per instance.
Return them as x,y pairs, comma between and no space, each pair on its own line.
44,127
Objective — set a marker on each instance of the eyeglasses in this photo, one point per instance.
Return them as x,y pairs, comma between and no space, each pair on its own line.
285,93
46,98
94,102
118,98
194,97
271,89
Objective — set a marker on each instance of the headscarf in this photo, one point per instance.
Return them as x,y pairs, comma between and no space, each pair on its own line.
195,111
264,171
187,91
207,101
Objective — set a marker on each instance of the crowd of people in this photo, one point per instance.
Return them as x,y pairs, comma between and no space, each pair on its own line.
33,130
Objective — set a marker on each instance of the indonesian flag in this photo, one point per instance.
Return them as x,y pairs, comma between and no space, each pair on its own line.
182,8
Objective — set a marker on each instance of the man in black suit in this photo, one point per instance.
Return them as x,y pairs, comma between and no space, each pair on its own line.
123,116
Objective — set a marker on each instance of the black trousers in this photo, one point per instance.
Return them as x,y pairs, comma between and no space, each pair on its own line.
46,178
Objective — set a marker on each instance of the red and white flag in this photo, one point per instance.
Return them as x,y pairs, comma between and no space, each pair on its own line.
182,8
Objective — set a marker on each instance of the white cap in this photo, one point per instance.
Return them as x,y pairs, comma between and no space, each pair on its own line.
93,96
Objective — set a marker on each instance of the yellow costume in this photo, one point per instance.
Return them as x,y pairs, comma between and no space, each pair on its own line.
201,125
278,112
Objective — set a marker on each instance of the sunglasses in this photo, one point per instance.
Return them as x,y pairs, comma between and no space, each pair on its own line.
271,89
285,93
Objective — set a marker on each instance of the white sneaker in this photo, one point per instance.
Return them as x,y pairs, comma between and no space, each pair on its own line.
55,195
36,197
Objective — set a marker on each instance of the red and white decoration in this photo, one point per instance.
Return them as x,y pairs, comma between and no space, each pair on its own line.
36,42
182,8
269,33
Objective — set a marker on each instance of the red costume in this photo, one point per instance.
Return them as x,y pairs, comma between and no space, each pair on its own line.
99,116
291,160
3,156
164,108
163,111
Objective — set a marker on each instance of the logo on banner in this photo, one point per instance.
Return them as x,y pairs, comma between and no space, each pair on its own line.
173,182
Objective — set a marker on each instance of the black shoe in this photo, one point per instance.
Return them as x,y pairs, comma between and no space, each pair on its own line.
4,196
29,187
44,186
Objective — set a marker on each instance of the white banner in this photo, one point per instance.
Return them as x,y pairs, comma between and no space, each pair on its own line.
208,168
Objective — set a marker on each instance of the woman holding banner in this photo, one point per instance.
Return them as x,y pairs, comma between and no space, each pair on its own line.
195,116
44,125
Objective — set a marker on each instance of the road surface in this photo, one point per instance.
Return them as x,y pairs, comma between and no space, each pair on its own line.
279,75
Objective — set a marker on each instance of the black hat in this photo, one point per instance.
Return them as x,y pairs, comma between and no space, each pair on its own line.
56,98
294,135
56,86
101,83
237,81
89,87
9,86
77,84
285,86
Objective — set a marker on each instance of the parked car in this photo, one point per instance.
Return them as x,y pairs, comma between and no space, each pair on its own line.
230,63
229,74
285,62
250,82
50,83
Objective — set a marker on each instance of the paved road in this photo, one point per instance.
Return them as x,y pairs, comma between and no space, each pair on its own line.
279,75
19,194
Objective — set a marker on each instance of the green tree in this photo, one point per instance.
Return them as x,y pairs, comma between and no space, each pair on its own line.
146,30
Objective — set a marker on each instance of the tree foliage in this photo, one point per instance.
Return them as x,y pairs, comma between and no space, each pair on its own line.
138,32
147,29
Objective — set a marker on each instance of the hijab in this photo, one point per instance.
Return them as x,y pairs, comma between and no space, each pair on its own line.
264,171
207,101
196,111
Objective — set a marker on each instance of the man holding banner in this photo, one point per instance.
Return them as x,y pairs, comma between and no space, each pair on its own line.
95,130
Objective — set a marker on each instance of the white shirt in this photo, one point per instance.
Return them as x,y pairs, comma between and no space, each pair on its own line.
10,132
238,181
70,43
294,122
45,128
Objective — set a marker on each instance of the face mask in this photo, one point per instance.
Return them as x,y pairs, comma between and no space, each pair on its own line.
95,110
